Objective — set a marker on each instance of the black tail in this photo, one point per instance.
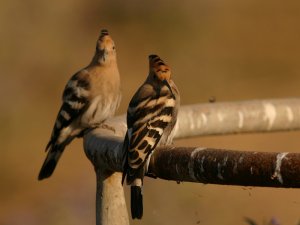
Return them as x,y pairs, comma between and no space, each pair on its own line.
54,153
136,202
49,164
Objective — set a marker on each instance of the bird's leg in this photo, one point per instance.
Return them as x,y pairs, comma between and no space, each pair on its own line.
105,126
94,126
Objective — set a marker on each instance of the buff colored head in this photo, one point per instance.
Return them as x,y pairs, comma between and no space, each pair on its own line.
158,68
105,49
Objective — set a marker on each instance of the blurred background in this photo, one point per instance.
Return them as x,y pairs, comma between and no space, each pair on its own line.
233,50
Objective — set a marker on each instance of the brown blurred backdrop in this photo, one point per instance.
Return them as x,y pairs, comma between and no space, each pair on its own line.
233,50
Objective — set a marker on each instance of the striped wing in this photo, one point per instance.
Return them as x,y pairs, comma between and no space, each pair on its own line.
75,100
147,120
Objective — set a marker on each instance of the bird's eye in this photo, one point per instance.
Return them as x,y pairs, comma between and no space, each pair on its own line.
113,48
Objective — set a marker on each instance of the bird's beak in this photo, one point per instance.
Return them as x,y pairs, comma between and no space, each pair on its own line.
168,85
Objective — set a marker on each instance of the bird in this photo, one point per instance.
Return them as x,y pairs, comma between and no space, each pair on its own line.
151,118
91,96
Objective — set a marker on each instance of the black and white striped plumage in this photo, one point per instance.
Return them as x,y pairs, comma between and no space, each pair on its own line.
151,117
90,97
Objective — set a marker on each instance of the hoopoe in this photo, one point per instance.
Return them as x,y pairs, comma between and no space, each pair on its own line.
91,96
151,118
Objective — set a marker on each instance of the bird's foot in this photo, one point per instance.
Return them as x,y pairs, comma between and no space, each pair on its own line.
105,126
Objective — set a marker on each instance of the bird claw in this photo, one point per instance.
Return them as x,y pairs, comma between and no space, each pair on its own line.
105,126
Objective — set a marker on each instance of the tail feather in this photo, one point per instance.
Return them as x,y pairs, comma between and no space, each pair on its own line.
54,153
49,164
136,202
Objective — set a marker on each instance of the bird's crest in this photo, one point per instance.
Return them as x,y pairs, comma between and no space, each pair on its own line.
104,32
105,39
158,66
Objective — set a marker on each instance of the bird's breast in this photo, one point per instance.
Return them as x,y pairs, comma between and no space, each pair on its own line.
100,108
